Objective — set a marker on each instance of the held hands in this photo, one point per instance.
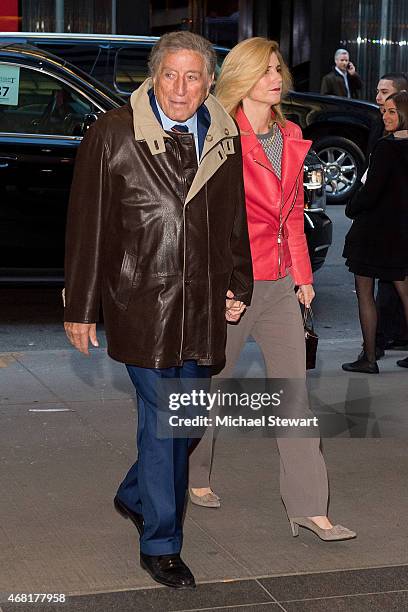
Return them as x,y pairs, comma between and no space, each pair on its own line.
233,308
305,295
80,333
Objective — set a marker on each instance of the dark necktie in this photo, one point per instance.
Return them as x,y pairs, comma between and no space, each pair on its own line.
179,128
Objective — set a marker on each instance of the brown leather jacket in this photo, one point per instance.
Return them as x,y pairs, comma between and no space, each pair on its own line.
333,84
157,241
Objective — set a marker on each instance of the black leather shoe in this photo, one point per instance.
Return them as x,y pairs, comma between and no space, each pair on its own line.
361,365
135,517
403,363
169,570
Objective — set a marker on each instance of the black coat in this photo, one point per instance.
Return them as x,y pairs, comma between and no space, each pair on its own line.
376,132
379,234
333,84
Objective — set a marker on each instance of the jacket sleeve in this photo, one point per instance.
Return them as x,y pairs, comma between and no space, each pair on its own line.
377,178
325,88
87,212
241,283
355,81
295,230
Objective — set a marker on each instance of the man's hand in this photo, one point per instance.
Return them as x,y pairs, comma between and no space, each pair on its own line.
305,295
351,69
233,308
80,333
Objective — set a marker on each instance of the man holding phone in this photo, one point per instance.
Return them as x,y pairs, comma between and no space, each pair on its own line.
343,80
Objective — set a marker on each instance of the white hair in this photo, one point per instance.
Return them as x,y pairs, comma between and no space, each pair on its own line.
182,40
340,52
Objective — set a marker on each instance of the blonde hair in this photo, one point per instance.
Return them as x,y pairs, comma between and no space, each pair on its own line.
242,68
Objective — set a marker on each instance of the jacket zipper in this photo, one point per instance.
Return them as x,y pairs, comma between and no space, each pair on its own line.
209,341
183,182
281,220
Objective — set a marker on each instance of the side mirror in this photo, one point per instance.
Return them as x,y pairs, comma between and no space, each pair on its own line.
89,119
80,128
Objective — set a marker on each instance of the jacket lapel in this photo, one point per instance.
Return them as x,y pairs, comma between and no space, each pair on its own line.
293,157
217,143
145,124
248,139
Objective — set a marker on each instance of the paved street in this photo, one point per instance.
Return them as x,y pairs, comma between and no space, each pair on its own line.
31,317
67,428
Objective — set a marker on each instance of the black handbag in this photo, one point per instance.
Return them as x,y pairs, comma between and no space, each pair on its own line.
311,339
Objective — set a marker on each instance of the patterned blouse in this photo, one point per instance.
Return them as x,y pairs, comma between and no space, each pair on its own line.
272,144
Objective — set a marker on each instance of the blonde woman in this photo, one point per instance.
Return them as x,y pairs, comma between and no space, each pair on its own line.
250,86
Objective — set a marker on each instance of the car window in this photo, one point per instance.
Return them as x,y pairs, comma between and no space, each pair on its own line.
84,56
131,68
42,105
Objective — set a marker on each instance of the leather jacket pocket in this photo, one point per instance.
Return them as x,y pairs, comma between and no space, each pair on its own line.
127,273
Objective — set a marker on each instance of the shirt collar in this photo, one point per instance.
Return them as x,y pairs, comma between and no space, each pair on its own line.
167,123
343,74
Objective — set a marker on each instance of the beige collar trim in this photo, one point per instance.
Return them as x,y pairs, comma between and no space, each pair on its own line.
218,142
146,126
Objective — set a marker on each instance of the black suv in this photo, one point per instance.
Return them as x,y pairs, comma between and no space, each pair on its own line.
338,127
46,107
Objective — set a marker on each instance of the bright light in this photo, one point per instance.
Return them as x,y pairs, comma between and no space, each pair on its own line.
375,41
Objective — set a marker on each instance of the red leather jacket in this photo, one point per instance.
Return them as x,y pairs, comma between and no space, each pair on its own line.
275,207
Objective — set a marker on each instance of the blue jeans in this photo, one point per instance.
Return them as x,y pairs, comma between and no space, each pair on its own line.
155,486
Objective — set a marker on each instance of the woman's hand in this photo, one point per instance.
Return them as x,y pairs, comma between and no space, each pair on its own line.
305,295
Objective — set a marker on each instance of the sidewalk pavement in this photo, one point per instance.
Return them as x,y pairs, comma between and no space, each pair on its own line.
67,436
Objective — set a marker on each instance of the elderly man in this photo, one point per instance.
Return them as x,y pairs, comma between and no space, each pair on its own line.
343,80
157,233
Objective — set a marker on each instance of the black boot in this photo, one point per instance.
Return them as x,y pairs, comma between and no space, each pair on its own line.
403,363
362,365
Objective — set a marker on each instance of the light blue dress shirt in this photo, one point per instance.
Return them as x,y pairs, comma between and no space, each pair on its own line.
344,75
190,123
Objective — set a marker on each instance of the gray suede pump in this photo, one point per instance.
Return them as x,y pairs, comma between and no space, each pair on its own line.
338,532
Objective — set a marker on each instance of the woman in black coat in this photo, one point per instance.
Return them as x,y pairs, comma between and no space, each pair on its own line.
376,245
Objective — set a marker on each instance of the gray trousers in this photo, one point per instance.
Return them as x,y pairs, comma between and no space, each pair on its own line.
274,321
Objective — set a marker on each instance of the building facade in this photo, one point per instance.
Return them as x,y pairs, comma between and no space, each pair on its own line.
309,31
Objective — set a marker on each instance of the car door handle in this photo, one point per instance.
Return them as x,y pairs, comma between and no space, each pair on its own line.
4,160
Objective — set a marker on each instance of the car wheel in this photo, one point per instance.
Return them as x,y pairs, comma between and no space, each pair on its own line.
343,166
